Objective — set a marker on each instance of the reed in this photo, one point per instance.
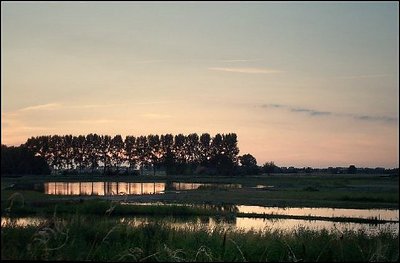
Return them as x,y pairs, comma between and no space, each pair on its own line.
81,237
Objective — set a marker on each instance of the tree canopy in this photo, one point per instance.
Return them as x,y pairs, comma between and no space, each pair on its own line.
20,160
178,154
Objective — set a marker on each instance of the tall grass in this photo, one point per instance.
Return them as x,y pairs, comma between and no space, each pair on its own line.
79,237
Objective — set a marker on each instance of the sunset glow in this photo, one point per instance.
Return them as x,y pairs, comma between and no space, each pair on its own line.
301,84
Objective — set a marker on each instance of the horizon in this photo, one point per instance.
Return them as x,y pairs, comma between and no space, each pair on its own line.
301,84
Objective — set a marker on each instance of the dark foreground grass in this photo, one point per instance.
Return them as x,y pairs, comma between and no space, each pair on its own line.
78,237
17,206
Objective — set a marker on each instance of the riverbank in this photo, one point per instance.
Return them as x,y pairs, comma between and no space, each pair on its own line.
294,190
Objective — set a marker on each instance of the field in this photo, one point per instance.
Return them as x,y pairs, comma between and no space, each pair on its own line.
91,227
300,190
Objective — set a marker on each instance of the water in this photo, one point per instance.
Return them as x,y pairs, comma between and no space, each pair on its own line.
241,224
123,188
383,214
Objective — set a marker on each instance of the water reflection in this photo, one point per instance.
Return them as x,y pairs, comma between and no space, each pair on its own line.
102,188
22,221
122,188
383,214
241,224
259,224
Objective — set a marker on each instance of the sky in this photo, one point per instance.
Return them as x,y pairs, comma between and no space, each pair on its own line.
300,83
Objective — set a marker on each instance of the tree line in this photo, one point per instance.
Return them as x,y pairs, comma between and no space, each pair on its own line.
20,160
178,154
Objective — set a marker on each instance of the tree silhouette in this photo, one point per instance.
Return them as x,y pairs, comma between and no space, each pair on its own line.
117,151
131,151
155,151
248,164
268,167
178,154
143,152
20,160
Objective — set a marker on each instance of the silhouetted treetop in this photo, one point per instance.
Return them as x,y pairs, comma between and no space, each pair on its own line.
176,153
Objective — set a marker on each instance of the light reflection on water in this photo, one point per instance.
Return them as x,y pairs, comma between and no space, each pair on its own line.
243,224
292,224
383,214
122,188
22,221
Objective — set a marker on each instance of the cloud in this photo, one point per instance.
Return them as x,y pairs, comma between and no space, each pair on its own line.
91,106
248,70
313,112
58,106
48,106
375,118
365,76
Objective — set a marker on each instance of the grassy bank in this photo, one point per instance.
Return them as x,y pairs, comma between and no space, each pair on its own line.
296,190
81,238
16,207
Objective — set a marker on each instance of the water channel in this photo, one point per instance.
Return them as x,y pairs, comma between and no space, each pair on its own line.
239,223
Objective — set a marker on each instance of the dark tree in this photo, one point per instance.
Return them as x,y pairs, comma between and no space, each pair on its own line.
352,169
79,147
155,153
142,147
248,164
178,154
117,152
205,152
268,167
168,158
131,151
20,160
104,147
93,152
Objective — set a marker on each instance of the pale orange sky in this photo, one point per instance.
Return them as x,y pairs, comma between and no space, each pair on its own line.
301,84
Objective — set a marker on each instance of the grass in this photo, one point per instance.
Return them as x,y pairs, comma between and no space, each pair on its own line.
79,229
315,190
17,206
372,220
78,237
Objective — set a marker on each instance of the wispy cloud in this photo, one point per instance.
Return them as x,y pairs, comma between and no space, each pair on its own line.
367,76
48,106
313,112
375,118
247,70
94,106
58,106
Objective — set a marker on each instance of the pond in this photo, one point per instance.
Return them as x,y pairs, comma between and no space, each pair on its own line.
124,188
242,224
382,214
